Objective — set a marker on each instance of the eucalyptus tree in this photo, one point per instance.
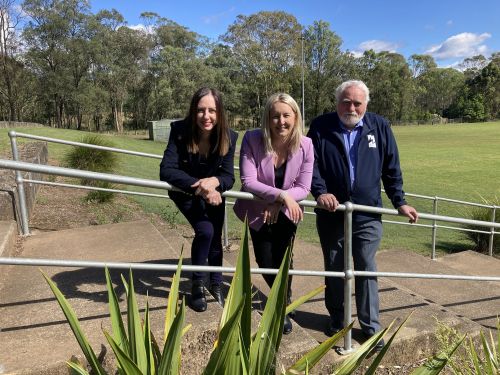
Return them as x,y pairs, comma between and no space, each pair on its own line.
440,87
121,62
420,64
326,67
389,78
57,39
11,83
267,48
225,75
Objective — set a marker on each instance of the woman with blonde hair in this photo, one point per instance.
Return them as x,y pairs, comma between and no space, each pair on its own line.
276,163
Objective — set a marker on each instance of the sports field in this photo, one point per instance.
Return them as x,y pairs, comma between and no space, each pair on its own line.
459,161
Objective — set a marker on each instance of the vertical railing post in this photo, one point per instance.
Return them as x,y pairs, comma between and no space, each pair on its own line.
21,196
492,234
434,228
224,233
349,275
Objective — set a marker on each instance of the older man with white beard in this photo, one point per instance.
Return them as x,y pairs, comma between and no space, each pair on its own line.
354,151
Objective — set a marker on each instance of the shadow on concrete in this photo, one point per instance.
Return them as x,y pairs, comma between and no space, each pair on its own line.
90,283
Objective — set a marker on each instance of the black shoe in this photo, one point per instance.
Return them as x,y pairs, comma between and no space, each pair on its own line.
287,325
292,313
198,300
332,329
380,345
216,291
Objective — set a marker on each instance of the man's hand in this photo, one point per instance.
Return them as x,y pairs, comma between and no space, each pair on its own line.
409,212
328,202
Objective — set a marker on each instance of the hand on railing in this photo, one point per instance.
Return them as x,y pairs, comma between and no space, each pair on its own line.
328,202
409,212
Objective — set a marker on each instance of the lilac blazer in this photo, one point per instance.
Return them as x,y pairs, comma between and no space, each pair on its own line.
257,176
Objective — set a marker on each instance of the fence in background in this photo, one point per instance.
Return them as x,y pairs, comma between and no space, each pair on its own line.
348,274
433,226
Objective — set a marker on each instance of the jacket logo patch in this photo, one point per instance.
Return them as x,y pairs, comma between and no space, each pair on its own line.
371,141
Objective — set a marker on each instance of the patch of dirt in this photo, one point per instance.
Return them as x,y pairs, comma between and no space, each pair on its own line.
59,208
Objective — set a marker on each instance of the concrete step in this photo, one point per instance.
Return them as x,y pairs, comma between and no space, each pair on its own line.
414,341
34,334
478,301
472,263
8,235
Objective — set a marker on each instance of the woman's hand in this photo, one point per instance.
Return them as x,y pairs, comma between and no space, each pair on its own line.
213,198
293,207
205,186
271,213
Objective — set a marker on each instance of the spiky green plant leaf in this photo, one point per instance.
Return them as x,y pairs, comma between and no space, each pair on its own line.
303,299
137,350
118,328
171,356
240,289
436,364
266,341
356,358
173,298
225,358
77,369
148,342
124,360
73,322
374,365
314,356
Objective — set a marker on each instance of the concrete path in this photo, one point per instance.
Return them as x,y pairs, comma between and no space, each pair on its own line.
35,338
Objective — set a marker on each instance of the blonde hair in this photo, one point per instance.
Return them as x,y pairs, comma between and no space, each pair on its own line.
296,134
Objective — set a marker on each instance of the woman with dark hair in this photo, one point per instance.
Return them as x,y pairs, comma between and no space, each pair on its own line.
276,164
199,160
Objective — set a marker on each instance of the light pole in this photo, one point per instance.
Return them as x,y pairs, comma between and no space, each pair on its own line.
303,63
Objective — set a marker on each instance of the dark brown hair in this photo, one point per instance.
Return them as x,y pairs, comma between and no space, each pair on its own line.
221,137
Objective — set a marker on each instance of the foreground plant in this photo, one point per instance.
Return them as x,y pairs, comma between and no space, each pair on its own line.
236,350
135,348
461,356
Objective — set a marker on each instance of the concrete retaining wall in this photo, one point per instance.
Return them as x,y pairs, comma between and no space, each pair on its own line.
35,152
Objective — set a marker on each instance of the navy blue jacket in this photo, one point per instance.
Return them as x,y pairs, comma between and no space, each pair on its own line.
182,169
377,160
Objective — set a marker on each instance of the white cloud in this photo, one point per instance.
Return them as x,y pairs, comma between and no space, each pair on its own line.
449,23
216,17
141,27
460,45
376,45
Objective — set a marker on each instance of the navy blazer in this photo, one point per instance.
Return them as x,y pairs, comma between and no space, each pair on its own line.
378,159
182,169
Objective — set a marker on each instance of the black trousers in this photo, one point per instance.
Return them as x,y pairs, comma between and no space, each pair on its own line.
207,222
270,243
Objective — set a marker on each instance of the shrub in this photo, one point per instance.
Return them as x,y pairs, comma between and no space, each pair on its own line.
89,159
100,196
482,240
471,358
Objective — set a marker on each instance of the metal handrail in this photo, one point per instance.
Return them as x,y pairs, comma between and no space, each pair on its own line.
434,226
348,274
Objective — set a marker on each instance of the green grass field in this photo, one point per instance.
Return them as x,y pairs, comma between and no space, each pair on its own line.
459,161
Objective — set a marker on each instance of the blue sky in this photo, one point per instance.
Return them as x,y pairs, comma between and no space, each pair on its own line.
449,30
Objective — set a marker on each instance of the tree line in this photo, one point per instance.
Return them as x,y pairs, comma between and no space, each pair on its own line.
65,66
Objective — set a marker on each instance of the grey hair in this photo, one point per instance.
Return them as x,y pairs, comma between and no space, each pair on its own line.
359,84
